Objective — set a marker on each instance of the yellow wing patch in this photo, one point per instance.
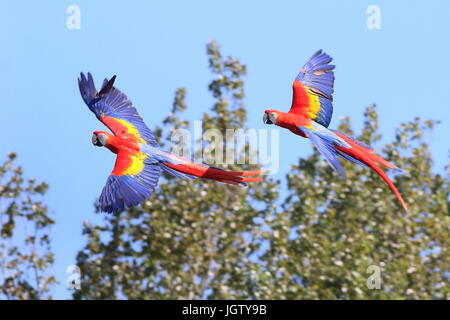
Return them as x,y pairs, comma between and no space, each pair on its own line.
131,130
314,105
136,165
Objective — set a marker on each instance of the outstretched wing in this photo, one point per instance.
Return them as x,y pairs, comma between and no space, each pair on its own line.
114,109
132,181
313,89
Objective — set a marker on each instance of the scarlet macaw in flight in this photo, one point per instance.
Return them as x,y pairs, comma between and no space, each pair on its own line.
139,160
310,115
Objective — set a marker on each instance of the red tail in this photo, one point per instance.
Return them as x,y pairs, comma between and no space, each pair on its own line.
367,156
206,172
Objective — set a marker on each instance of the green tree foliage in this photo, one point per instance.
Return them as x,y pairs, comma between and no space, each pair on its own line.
323,239
189,239
25,252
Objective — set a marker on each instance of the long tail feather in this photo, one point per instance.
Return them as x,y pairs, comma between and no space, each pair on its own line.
205,172
361,153
391,185
185,167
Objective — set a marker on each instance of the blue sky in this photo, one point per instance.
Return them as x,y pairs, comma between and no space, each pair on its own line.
155,47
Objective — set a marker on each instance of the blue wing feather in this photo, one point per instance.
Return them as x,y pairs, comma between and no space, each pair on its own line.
317,76
121,192
325,144
325,113
113,103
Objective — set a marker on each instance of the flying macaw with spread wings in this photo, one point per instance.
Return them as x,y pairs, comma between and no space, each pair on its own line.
310,115
139,160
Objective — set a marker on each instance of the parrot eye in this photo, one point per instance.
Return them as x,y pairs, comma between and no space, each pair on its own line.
273,117
97,140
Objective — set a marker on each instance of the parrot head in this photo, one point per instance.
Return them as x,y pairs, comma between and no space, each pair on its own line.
270,116
99,138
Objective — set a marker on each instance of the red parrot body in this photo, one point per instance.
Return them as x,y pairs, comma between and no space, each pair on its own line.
311,113
139,159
